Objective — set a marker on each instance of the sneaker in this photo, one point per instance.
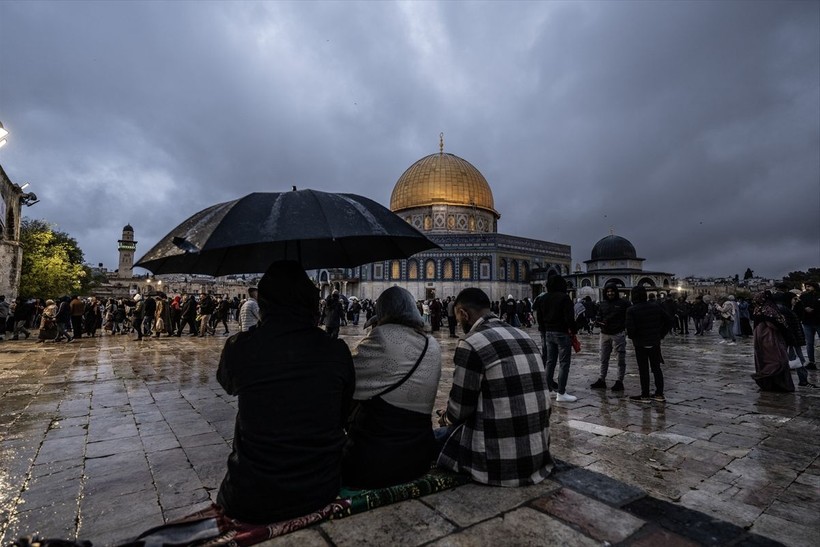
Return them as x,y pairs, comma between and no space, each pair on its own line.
806,384
565,398
722,342
659,397
600,383
811,366
618,386
732,344
640,398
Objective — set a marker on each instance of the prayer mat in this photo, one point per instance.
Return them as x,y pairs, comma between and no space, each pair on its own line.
359,501
211,527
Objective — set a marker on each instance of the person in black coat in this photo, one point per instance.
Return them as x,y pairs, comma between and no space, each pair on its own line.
646,325
556,321
295,386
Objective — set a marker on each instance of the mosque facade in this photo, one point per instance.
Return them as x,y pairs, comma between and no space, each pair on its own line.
449,201
614,260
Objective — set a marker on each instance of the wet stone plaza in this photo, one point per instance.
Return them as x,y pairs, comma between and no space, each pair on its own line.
105,437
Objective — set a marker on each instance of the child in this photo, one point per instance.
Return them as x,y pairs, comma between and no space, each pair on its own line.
646,324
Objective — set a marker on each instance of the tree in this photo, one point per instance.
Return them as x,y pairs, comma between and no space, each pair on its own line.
52,261
749,274
798,278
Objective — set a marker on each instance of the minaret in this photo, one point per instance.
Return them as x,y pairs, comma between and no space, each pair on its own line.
126,246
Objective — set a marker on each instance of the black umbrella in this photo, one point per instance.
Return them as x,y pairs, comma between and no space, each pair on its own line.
318,229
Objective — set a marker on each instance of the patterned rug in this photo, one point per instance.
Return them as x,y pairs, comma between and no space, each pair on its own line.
211,526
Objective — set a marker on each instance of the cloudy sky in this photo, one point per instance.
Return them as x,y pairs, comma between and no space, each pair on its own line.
691,128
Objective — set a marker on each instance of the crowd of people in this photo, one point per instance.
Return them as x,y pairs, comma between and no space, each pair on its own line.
70,318
315,415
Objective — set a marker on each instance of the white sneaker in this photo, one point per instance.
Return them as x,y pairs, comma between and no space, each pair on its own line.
722,342
565,398
731,344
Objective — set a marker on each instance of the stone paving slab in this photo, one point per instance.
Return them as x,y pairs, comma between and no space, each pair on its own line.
105,437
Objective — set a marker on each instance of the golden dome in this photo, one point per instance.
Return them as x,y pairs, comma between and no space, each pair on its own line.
442,179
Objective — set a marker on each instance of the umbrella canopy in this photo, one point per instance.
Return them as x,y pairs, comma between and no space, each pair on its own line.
317,229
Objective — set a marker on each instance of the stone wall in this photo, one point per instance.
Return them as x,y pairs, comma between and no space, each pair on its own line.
11,256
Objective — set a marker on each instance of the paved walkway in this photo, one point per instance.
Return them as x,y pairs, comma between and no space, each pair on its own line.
105,437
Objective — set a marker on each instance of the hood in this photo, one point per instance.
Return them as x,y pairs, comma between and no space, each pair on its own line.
556,283
611,285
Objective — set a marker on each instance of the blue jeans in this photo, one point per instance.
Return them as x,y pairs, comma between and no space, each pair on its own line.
810,331
557,350
607,342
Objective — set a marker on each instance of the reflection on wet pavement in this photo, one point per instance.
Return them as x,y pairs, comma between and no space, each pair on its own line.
103,438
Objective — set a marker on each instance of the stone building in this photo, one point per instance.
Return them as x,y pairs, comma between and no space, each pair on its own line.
12,198
449,200
126,247
614,259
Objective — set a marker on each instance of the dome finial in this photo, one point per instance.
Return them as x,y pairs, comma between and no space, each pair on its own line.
441,143
612,230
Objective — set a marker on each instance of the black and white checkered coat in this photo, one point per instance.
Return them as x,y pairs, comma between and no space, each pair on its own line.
500,404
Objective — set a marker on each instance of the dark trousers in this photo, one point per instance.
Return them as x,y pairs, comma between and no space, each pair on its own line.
683,322
192,326
649,358
451,324
137,324
77,325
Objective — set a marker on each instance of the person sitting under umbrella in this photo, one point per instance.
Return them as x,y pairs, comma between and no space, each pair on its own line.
295,386
398,368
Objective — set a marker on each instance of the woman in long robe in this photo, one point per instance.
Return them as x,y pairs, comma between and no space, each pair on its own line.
771,341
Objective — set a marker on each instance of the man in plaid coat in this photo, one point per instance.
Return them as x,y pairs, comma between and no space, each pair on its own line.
497,418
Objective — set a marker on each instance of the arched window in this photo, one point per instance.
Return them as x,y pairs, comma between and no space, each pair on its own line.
395,270
525,271
586,283
484,269
502,270
430,269
412,269
514,270
466,268
447,269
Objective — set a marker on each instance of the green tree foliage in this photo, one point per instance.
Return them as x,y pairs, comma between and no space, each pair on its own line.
796,279
52,261
749,274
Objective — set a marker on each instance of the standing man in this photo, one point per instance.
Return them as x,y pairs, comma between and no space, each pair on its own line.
333,314
496,426
699,310
206,308
435,314
188,315
451,316
137,315
149,310
249,312
556,321
77,310
808,310
22,313
647,324
612,320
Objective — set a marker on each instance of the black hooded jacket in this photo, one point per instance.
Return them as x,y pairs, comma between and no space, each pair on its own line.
554,309
612,312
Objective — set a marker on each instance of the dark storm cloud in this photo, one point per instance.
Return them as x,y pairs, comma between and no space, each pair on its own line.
692,128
